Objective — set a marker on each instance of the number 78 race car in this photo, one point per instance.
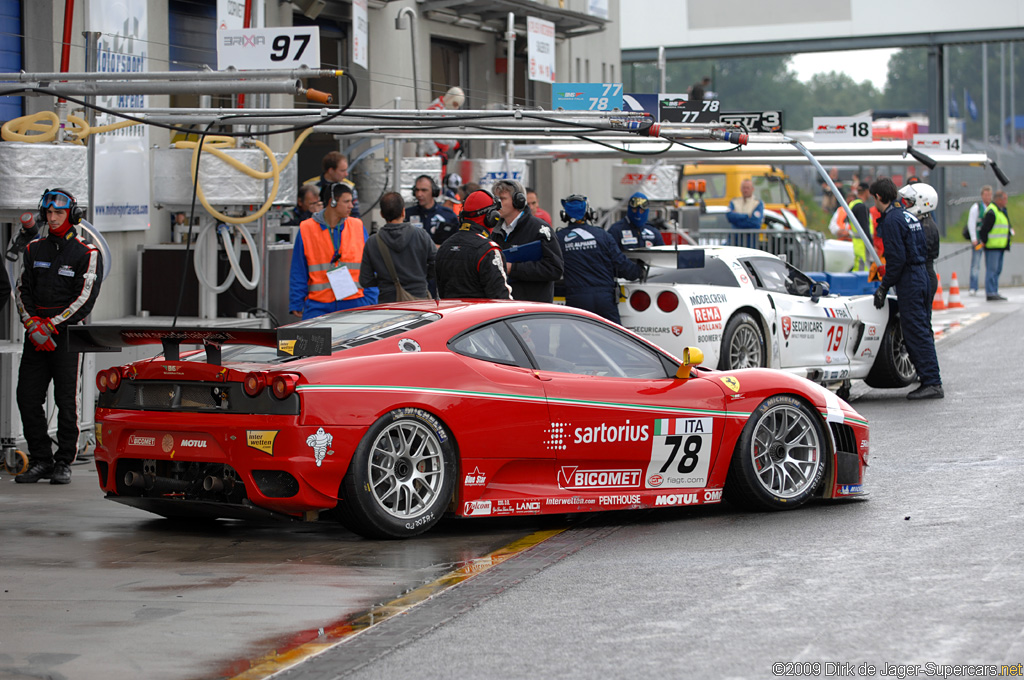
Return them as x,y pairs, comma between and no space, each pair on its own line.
744,307
388,417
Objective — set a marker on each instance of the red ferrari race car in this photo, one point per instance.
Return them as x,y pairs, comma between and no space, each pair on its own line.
395,414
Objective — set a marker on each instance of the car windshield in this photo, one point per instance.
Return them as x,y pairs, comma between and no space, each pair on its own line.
348,329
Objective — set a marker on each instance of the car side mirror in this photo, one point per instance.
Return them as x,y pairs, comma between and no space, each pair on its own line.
819,289
692,356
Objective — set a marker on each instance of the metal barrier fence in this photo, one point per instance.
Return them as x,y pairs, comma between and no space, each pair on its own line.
802,249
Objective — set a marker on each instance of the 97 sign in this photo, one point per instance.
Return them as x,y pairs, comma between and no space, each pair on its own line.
268,48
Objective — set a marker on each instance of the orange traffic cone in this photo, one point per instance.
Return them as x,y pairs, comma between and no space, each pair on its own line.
954,295
937,302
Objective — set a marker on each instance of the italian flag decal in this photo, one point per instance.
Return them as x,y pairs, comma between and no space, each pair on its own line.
666,426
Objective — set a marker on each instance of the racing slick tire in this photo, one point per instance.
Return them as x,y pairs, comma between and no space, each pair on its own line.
401,478
779,461
742,344
893,367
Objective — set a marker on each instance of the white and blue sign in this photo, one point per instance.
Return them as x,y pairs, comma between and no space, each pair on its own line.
587,96
641,103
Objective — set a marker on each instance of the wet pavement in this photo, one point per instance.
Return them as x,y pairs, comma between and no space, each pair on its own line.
94,589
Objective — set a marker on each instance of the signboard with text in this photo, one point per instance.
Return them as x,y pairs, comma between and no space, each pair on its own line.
938,143
678,108
268,48
842,128
587,96
540,48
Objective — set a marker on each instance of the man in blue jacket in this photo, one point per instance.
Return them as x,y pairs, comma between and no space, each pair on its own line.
592,261
746,212
906,250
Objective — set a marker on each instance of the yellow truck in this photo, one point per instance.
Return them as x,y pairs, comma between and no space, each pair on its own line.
723,184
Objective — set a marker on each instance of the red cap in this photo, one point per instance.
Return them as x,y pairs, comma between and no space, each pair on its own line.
476,206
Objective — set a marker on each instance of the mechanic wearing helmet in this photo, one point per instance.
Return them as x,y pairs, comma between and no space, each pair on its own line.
921,199
905,253
592,261
59,286
328,243
469,264
533,280
632,231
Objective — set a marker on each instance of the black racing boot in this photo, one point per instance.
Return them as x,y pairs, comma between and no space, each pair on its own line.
927,392
35,473
61,474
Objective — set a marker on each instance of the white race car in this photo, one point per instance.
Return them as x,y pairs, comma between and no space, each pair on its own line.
744,307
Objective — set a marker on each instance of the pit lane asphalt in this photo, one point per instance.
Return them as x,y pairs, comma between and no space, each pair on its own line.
927,570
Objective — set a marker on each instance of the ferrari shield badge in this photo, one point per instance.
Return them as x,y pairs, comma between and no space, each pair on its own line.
732,383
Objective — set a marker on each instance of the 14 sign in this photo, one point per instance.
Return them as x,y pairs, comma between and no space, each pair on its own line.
938,143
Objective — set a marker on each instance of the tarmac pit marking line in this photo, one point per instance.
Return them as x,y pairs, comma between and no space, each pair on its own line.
314,642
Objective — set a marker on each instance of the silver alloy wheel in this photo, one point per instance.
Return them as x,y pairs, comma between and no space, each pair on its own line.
406,468
745,348
900,356
786,451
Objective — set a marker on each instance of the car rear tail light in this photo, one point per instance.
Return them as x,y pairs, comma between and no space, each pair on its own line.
639,300
101,381
668,301
283,385
114,378
254,383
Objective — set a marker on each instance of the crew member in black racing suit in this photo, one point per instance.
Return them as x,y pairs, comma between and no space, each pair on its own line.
469,264
906,250
59,286
592,261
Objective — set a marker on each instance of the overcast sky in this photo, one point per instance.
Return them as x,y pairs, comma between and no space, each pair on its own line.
860,65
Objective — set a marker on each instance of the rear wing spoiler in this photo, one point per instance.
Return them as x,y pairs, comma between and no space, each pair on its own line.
681,257
288,341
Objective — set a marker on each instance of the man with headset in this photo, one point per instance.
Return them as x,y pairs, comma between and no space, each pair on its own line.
326,258
470,264
533,280
59,286
436,219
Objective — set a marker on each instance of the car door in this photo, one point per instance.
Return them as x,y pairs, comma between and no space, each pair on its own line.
620,419
812,333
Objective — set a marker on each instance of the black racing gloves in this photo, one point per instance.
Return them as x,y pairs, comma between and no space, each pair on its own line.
880,297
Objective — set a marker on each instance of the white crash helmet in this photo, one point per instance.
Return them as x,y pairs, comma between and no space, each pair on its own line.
454,98
919,198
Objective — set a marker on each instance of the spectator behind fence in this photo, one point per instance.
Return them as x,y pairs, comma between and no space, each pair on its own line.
399,250
746,213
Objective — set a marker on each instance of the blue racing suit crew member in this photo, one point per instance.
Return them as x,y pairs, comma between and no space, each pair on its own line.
592,261
905,254
326,242
439,221
59,286
746,212
470,264
632,231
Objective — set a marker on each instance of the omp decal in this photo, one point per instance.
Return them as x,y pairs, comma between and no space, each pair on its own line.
404,389
680,452
319,441
262,440
712,495
732,383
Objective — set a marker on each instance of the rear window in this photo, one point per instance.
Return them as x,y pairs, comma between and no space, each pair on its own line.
349,328
713,273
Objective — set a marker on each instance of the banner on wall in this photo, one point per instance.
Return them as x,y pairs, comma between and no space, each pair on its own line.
360,33
121,169
540,48
231,15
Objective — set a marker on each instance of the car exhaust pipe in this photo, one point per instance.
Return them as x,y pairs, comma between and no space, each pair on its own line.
218,484
147,482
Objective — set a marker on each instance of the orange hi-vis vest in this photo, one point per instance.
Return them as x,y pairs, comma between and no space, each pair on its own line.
321,256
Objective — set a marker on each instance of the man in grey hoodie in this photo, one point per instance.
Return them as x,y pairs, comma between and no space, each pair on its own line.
412,252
